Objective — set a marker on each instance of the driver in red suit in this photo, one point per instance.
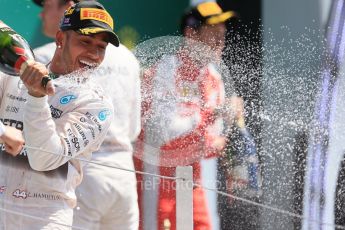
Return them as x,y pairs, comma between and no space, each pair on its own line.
181,126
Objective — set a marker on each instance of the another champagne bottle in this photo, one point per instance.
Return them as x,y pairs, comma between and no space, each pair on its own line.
244,177
14,51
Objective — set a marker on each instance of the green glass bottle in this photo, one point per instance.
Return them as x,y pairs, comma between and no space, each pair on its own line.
14,50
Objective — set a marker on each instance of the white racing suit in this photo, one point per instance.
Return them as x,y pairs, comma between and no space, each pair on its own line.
40,183
113,205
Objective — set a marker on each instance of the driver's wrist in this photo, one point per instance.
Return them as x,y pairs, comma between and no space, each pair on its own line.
35,94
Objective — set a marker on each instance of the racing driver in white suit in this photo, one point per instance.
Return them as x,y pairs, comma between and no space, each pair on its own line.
59,129
116,188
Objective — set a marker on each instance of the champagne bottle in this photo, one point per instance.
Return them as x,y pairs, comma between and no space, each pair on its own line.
14,52
245,176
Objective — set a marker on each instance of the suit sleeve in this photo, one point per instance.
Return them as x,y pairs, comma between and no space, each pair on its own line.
136,105
78,132
213,96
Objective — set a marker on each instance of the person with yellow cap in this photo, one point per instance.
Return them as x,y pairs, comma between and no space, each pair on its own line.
186,119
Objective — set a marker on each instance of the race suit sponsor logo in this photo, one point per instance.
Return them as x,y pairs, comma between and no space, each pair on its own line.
74,139
56,113
12,97
45,196
83,119
67,99
92,118
23,152
188,90
92,132
69,152
103,114
12,109
14,123
82,134
24,195
20,194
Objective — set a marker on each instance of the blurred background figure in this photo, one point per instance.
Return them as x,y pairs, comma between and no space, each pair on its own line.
51,14
238,165
114,203
181,100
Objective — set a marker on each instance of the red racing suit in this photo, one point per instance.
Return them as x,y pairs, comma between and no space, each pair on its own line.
179,128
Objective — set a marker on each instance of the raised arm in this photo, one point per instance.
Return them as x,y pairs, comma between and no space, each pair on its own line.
80,131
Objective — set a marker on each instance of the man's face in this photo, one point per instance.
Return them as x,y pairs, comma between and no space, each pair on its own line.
51,14
81,51
213,36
